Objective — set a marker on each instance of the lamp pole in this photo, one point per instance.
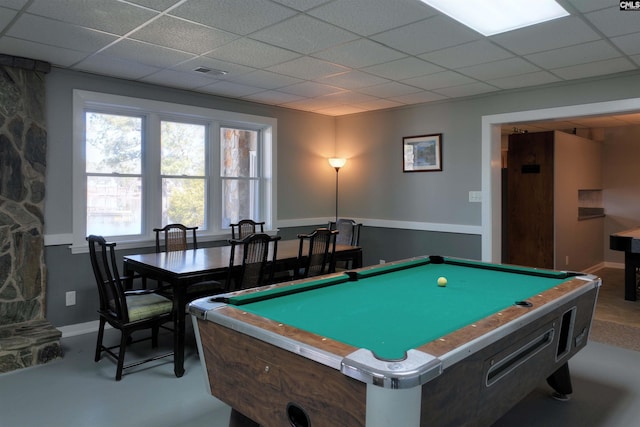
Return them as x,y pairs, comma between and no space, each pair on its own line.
337,163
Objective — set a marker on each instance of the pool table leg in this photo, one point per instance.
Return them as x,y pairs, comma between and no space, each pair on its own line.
237,419
560,381
393,407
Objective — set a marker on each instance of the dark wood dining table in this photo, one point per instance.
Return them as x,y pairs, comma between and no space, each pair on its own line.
183,268
629,242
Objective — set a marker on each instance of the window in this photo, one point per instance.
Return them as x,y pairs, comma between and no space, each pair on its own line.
239,174
113,174
141,164
182,167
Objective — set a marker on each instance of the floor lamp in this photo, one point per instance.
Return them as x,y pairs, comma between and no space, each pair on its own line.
337,163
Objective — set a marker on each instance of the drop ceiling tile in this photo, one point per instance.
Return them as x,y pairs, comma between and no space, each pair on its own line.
54,55
352,80
307,68
598,122
524,80
312,104
404,68
615,22
636,59
179,79
302,4
599,68
105,15
235,16
418,98
146,53
6,16
573,55
348,97
302,105
387,90
273,97
473,53
368,17
439,80
497,69
340,110
116,67
14,4
303,34
427,35
589,5
159,5
194,38
251,53
310,89
359,53
230,89
378,104
466,90
546,36
264,79
629,44
55,33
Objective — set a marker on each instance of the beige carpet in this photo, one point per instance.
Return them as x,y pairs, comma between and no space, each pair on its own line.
616,321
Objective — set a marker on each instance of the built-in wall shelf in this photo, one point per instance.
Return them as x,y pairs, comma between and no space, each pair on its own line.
590,204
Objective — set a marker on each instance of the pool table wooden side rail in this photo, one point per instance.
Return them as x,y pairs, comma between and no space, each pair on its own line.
259,380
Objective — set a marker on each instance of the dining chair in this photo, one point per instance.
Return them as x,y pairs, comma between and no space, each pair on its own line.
348,231
256,268
126,311
348,234
316,253
245,227
174,238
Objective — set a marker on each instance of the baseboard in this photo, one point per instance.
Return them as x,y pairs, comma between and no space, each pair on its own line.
619,265
80,328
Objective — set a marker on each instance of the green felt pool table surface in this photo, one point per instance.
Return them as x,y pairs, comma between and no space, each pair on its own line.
390,310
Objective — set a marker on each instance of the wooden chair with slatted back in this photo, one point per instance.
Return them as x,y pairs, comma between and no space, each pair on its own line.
348,234
256,268
245,227
174,237
126,311
316,253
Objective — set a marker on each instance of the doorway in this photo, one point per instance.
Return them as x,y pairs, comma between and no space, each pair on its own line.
492,159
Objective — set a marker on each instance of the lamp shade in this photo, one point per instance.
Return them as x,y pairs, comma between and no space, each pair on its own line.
337,162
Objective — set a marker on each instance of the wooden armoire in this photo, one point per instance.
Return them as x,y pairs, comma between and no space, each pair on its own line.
553,184
530,200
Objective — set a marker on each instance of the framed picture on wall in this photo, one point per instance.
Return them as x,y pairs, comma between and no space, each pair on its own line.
422,153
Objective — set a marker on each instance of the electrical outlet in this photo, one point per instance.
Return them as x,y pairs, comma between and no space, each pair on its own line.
382,261
70,298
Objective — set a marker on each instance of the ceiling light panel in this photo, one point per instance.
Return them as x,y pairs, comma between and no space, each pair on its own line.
490,17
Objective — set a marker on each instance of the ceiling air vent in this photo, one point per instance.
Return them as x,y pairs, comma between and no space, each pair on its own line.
210,71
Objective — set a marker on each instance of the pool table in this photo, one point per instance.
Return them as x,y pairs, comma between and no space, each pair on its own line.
386,346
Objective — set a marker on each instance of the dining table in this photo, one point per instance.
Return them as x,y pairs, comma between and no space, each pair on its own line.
180,269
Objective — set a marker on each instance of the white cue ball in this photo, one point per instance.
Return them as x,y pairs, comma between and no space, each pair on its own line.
442,281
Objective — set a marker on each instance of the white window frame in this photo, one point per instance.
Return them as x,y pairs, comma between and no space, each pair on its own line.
154,111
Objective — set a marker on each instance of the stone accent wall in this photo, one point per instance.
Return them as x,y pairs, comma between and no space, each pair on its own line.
26,338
